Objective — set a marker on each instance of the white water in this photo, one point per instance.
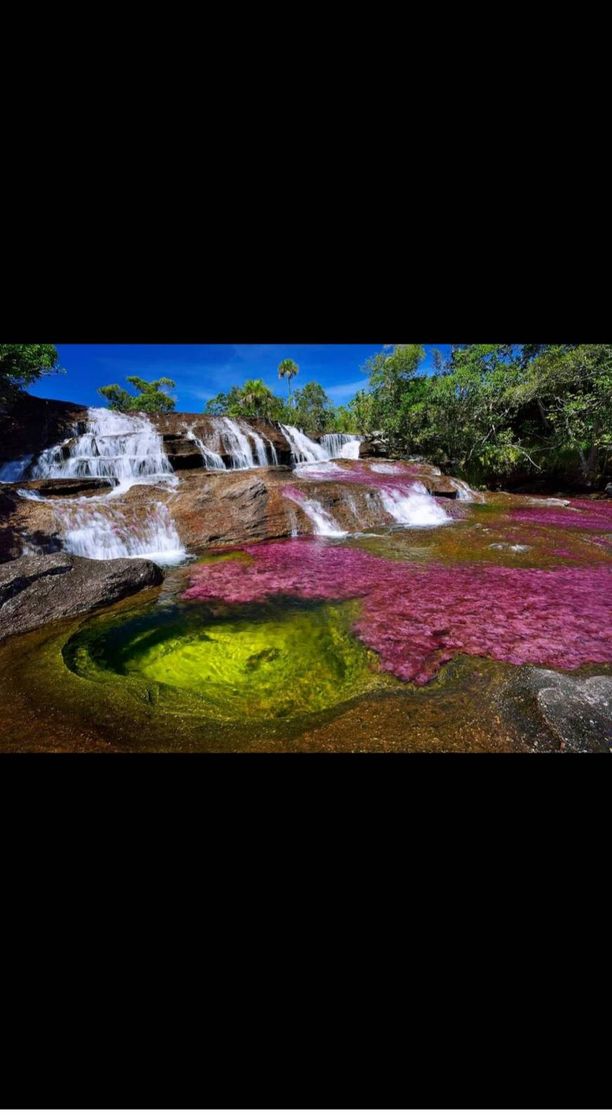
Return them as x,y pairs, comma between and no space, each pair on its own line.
339,445
129,450
211,460
15,470
413,507
102,533
326,469
465,492
303,449
321,521
238,446
115,445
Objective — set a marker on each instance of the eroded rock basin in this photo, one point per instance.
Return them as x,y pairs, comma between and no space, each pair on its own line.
394,640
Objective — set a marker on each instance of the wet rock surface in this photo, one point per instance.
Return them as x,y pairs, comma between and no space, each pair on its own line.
580,712
577,711
65,487
35,590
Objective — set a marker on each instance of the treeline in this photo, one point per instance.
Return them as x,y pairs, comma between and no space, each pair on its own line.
308,407
493,412
496,412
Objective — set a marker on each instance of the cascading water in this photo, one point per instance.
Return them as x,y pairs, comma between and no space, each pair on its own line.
339,445
104,534
212,460
129,450
321,521
245,446
115,445
465,492
237,444
303,449
412,506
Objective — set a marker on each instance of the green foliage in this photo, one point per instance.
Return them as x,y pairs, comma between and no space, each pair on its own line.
23,363
490,411
288,369
149,398
311,407
252,400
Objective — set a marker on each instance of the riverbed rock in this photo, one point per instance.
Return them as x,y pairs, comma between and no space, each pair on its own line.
35,590
178,428
577,710
66,487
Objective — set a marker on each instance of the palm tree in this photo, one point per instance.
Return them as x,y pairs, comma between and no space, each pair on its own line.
255,397
288,369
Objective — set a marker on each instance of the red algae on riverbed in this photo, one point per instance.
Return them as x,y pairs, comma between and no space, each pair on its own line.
584,514
418,617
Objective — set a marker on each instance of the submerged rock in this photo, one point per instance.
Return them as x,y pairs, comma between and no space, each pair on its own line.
35,590
578,711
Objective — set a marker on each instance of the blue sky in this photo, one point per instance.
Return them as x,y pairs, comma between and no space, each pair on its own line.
202,371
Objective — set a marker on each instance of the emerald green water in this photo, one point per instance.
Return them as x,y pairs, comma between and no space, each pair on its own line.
279,661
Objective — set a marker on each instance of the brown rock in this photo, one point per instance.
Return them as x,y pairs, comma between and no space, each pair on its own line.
35,590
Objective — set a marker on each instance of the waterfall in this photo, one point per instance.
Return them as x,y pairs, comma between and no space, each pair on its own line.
414,506
465,492
237,443
303,449
115,445
339,445
15,470
102,533
260,447
211,459
321,521
126,449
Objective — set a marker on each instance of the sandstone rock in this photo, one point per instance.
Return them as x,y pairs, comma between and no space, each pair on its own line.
65,487
35,590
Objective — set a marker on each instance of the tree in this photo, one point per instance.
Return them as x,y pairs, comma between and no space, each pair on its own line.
390,372
221,404
251,400
255,399
360,409
288,369
150,397
23,363
437,362
312,407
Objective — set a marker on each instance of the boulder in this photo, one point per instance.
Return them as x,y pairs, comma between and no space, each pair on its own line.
35,590
373,448
577,710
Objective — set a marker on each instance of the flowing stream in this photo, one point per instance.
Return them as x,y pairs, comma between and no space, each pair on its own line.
339,445
128,450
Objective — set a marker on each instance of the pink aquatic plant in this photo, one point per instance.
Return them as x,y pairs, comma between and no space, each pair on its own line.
581,514
417,617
